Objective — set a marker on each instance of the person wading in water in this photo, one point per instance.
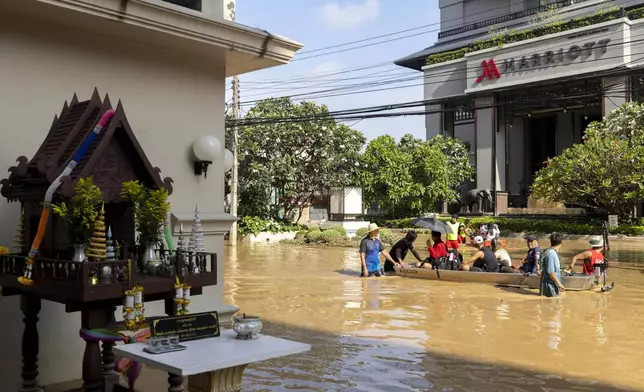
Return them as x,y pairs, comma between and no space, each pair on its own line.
400,249
452,238
591,258
551,284
370,250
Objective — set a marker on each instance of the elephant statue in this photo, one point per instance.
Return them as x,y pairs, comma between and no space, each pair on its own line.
478,196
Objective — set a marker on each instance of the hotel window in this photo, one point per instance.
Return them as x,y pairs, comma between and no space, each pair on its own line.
192,4
448,121
637,88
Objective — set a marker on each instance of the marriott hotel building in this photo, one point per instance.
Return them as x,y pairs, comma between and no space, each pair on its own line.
519,81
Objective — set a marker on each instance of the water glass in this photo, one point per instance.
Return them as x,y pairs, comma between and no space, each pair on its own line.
174,340
165,342
154,343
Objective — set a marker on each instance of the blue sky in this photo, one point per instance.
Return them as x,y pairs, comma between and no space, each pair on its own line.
321,23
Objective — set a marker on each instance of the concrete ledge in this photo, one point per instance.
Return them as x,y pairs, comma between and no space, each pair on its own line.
266,236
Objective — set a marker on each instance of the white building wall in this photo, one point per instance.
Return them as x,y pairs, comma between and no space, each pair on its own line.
485,137
500,158
615,92
516,136
170,101
433,121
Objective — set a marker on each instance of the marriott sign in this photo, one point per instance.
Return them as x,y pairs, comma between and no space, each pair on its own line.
542,60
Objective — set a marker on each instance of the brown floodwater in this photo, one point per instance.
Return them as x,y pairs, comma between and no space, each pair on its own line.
399,334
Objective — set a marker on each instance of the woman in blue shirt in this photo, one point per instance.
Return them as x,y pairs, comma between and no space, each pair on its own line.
370,249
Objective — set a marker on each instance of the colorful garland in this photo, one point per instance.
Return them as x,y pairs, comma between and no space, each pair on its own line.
133,309
181,297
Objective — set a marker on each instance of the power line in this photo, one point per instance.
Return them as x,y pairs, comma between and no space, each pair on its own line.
279,80
360,112
358,86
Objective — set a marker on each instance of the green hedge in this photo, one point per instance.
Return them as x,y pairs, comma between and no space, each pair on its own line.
331,237
525,225
255,225
522,35
338,229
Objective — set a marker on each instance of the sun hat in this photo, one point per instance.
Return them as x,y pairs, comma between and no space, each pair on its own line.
478,240
596,241
373,227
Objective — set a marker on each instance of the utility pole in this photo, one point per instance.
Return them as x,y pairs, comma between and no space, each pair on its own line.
233,188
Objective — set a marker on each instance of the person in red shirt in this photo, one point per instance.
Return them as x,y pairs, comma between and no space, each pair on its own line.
591,257
436,250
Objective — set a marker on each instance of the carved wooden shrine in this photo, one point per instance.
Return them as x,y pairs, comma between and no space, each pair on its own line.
114,157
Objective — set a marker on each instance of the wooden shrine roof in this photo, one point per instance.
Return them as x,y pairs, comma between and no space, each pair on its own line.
113,157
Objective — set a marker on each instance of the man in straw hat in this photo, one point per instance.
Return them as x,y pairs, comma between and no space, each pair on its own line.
370,250
591,258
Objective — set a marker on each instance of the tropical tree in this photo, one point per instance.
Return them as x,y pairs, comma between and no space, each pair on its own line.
299,159
605,173
412,176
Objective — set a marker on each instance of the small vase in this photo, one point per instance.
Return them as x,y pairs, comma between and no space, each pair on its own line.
79,253
150,262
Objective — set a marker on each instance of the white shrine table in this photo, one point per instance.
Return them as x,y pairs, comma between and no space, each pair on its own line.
213,364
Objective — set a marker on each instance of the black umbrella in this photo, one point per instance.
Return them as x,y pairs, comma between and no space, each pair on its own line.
433,224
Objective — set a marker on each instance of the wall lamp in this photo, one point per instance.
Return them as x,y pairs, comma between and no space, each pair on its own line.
206,149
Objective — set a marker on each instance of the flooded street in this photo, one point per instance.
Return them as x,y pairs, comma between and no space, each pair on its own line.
400,334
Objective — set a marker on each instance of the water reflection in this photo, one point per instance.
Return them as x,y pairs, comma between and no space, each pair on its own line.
396,334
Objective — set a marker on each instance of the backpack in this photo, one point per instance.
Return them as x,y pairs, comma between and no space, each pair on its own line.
452,261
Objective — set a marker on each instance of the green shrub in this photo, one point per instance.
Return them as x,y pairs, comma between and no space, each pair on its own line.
628,230
330,233
314,235
339,229
255,225
362,232
575,226
387,237
301,234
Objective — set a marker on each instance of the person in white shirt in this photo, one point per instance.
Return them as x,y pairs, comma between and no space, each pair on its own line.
502,255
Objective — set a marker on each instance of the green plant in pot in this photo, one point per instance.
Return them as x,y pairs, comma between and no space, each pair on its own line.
80,213
151,208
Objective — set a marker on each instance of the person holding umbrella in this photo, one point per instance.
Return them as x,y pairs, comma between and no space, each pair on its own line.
370,250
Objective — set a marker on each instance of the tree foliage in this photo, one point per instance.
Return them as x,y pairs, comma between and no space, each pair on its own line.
606,172
412,176
299,160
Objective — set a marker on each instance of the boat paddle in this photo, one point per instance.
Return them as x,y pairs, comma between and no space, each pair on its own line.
606,246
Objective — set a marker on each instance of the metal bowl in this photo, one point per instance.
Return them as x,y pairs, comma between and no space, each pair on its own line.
247,327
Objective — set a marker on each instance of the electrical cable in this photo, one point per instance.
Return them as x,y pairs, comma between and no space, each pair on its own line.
328,92
624,5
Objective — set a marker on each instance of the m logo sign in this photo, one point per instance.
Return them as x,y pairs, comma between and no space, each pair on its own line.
490,71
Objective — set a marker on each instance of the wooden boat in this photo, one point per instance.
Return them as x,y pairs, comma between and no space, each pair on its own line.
571,283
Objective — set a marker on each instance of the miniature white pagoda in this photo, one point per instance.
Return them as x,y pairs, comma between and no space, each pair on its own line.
111,255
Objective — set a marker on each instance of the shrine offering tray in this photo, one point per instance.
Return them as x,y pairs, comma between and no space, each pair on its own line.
163,350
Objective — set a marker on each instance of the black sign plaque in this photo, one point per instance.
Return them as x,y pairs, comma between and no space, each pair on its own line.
188,327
